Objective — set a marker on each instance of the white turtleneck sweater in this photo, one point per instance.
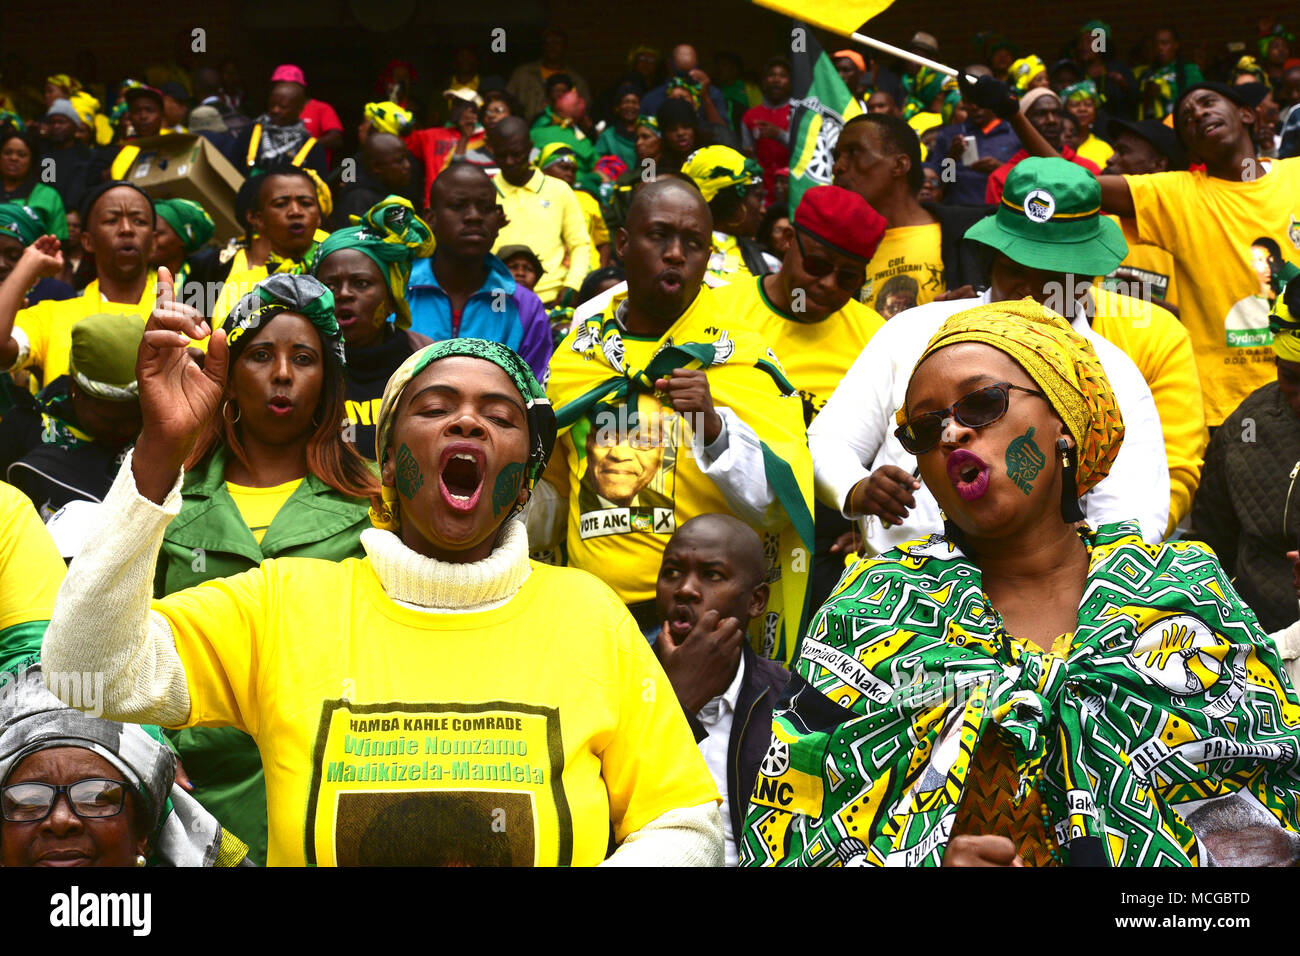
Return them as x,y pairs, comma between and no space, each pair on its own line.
103,623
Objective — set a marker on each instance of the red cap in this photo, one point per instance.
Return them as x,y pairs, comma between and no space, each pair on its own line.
289,73
842,220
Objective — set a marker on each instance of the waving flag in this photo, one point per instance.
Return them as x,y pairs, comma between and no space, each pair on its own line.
820,104
839,16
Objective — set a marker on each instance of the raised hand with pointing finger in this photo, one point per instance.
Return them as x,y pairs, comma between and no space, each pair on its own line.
177,396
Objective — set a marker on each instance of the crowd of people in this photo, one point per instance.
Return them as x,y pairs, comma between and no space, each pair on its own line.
567,479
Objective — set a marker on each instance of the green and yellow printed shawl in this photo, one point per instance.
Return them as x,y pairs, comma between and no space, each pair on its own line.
1169,694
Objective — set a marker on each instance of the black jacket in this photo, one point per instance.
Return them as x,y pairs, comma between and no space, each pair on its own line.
50,474
1241,505
751,732
964,263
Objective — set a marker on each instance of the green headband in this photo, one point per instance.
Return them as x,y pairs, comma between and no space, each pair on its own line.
393,236
1081,90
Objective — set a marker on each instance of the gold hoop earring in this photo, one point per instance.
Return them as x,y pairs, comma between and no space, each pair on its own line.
228,420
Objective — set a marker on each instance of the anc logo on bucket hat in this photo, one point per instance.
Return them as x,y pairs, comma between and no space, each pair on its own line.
1039,205
1050,219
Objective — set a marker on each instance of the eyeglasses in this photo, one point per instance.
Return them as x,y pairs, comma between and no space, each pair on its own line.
92,798
984,406
850,280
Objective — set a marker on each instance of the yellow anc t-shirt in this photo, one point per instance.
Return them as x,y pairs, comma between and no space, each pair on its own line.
46,327
815,355
906,270
1221,235
30,570
1162,350
259,506
1146,273
391,735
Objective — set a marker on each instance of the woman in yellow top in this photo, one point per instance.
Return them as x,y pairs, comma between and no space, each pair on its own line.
1024,689
270,476
1081,101
424,704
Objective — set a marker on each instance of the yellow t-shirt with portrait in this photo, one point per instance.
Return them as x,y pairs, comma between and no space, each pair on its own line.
391,735
45,338
815,355
1211,227
907,270
259,506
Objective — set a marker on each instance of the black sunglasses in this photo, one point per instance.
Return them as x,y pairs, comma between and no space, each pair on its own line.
92,798
850,280
981,407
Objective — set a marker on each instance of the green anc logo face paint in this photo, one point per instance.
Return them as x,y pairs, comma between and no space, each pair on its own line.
506,490
1024,460
409,479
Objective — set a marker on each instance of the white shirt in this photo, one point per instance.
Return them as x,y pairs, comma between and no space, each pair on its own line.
856,427
716,716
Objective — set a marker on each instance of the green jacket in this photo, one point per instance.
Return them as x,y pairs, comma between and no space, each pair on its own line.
207,540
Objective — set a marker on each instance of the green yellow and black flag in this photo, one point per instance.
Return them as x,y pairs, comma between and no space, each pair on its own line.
820,103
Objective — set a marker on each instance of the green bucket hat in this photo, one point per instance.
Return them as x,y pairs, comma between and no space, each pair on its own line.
102,360
1050,219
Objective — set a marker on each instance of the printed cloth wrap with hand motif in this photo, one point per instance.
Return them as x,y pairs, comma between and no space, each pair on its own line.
1168,693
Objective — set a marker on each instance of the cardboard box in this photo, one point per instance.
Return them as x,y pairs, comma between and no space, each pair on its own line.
185,166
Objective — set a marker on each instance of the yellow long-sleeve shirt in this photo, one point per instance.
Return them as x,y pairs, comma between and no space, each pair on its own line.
545,215
1161,348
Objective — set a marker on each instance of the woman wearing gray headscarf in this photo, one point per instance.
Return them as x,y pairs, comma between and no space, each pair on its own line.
77,790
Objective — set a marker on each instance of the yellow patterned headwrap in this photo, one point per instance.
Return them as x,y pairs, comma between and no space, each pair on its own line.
1024,70
388,117
65,82
1060,361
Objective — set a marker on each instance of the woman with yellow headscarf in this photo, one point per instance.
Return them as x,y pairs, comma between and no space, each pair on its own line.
1024,689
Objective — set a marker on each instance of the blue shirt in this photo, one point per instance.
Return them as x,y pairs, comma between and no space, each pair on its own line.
1001,143
500,311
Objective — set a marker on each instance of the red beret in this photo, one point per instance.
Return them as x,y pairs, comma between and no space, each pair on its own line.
842,220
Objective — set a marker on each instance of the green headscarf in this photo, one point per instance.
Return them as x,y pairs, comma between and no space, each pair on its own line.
697,94
21,222
393,236
1080,90
284,292
541,417
650,123
188,220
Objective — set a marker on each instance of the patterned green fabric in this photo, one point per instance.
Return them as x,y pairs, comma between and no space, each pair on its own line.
285,292
20,222
1169,694
392,236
